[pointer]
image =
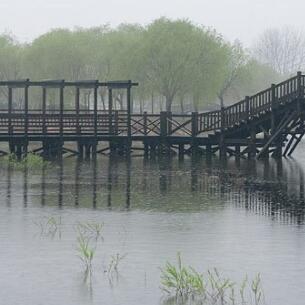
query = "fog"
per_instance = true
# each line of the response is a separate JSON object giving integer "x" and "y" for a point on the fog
{"x": 235, "y": 19}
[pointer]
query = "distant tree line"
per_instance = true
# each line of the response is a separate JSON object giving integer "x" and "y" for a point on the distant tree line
{"x": 180, "y": 66}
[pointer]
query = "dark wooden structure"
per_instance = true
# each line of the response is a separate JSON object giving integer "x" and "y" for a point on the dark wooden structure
{"x": 270, "y": 122}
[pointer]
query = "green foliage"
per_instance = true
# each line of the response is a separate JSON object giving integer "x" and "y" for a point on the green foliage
{"x": 185, "y": 285}
{"x": 181, "y": 279}
{"x": 30, "y": 161}
{"x": 85, "y": 251}
{"x": 175, "y": 61}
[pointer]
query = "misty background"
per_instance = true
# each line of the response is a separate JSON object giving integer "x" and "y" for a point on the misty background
{"x": 186, "y": 55}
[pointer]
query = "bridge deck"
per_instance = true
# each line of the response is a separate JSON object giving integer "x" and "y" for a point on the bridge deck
{"x": 276, "y": 113}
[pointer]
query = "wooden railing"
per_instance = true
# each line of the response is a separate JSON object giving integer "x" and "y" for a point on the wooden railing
{"x": 114, "y": 122}
{"x": 254, "y": 106}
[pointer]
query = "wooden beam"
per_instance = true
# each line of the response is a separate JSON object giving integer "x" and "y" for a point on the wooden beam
{"x": 275, "y": 134}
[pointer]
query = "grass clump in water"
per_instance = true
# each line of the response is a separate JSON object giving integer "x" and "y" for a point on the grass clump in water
{"x": 184, "y": 285}
{"x": 49, "y": 226}
{"x": 115, "y": 261}
{"x": 90, "y": 229}
{"x": 85, "y": 251}
{"x": 30, "y": 161}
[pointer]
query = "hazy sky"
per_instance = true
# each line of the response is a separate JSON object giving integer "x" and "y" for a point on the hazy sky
{"x": 235, "y": 19}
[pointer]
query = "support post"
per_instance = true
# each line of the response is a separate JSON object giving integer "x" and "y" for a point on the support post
{"x": 237, "y": 151}
{"x": 181, "y": 151}
{"x": 252, "y": 144}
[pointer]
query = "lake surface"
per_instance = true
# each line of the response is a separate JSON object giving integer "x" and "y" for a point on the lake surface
{"x": 241, "y": 217}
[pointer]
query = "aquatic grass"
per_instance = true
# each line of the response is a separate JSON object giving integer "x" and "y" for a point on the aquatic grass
{"x": 184, "y": 285}
{"x": 115, "y": 261}
{"x": 85, "y": 251}
{"x": 180, "y": 279}
{"x": 90, "y": 229}
{"x": 30, "y": 161}
{"x": 49, "y": 226}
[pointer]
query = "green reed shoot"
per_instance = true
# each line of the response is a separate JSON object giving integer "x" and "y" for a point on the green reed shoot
{"x": 188, "y": 286}
{"x": 85, "y": 251}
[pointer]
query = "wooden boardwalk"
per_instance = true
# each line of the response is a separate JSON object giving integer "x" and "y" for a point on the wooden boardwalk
{"x": 270, "y": 122}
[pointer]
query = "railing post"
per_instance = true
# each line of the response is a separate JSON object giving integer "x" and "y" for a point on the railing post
{"x": 169, "y": 122}
{"x": 222, "y": 147}
{"x": 61, "y": 109}
{"x": 163, "y": 123}
{"x": 273, "y": 107}
{"x": 26, "y": 108}
{"x": 146, "y": 147}
{"x": 300, "y": 91}
{"x": 10, "y": 106}
{"x": 116, "y": 122}
{"x": 129, "y": 114}
{"x": 77, "y": 92}
{"x": 145, "y": 122}
{"x": 110, "y": 110}
{"x": 247, "y": 100}
{"x": 44, "y": 106}
{"x": 95, "y": 109}
{"x": 222, "y": 118}
{"x": 194, "y": 124}
{"x": 194, "y": 132}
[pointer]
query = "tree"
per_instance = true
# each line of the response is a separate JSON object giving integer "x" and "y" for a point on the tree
{"x": 235, "y": 60}
{"x": 282, "y": 49}
{"x": 178, "y": 56}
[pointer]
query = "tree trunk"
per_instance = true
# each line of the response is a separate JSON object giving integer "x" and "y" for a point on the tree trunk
{"x": 195, "y": 103}
{"x": 168, "y": 103}
{"x": 221, "y": 101}
{"x": 181, "y": 105}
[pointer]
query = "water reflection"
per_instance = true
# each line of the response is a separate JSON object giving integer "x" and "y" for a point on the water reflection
{"x": 271, "y": 188}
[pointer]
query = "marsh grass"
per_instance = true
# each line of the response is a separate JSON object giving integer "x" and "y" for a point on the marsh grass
{"x": 90, "y": 230}
{"x": 30, "y": 161}
{"x": 114, "y": 262}
{"x": 49, "y": 226}
{"x": 86, "y": 251}
{"x": 184, "y": 285}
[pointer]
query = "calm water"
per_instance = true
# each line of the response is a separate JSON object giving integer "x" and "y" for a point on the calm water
{"x": 245, "y": 217}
